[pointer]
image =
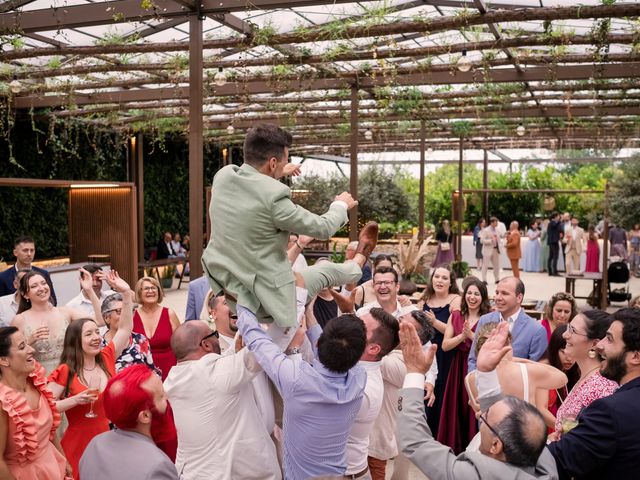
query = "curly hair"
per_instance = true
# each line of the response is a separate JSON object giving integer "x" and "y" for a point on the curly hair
{"x": 560, "y": 297}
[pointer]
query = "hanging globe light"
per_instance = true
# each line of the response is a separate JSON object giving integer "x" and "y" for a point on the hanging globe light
{"x": 464, "y": 64}
{"x": 368, "y": 134}
{"x": 14, "y": 85}
{"x": 230, "y": 129}
{"x": 219, "y": 79}
{"x": 520, "y": 130}
{"x": 325, "y": 149}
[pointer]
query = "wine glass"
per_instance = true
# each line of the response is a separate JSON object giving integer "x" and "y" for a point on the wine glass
{"x": 94, "y": 389}
{"x": 43, "y": 345}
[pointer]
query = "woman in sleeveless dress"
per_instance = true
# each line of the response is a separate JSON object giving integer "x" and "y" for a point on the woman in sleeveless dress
{"x": 532, "y": 249}
{"x": 593, "y": 251}
{"x": 28, "y": 415}
{"x": 83, "y": 374}
{"x": 530, "y": 381}
{"x": 43, "y": 324}
{"x": 440, "y": 299}
{"x": 457, "y": 420}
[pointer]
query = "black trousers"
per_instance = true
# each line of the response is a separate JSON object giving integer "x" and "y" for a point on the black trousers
{"x": 552, "y": 262}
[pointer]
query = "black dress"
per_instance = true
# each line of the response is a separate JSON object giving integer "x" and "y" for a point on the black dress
{"x": 444, "y": 360}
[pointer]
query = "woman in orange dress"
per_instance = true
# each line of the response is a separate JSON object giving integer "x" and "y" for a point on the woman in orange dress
{"x": 83, "y": 374}
{"x": 28, "y": 417}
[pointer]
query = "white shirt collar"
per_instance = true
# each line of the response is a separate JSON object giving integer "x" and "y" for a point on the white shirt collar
{"x": 512, "y": 319}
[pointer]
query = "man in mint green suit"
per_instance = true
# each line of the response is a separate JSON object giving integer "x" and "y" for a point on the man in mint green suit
{"x": 251, "y": 217}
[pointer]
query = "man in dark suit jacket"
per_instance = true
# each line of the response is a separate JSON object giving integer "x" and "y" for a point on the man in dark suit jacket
{"x": 24, "y": 250}
{"x": 554, "y": 231}
{"x": 606, "y": 441}
{"x": 165, "y": 250}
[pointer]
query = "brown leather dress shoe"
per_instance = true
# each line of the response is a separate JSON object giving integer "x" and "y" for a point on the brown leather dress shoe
{"x": 368, "y": 239}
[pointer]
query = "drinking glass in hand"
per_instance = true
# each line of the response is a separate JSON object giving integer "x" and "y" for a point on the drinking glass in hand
{"x": 42, "y": 345}
{"x": 94, "y": 389}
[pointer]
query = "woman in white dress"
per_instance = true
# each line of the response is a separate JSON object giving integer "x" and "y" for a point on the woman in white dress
{"x": 532, "y": 249}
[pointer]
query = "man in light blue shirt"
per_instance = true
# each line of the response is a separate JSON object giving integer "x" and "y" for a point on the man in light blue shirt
{"x": 321, "y": 399}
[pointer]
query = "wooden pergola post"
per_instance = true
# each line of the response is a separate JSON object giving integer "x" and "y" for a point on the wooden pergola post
{"x": 485, "y": 186}
{"x": 353, "y": 176}
{"x": 460, "y": 205}
{"x": 421, "y": 193}
{"x": 196, "y": 177}
{"x": 604, "y": 290}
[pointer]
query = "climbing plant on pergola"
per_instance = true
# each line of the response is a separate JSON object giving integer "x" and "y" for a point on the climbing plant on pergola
{"x": 343, "y": 77}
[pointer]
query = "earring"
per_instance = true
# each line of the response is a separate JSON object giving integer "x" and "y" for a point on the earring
{"x": 592, "y": 354}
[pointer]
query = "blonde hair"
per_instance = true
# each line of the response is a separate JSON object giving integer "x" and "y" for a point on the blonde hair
{"x": 152, "y": 281}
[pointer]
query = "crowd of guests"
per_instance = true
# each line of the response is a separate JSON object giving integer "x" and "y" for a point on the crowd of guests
{"x": 277, "y": 373}
{"x": 556, "y": 240}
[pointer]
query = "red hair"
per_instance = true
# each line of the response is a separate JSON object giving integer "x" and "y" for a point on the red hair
{"x": 124, "y": 397}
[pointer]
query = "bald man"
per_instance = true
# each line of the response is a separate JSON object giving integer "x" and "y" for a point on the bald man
{"x": 218, "y": 421}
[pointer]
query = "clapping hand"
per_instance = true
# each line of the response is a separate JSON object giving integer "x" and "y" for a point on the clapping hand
{"x": 494, "y": 348}
{"x": 466, "y": 330}
{"x": 415, "y": 359}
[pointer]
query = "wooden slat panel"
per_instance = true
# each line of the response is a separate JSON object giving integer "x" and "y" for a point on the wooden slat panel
{"x": 103, "y": 221}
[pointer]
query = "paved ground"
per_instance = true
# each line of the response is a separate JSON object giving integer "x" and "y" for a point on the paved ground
{"x": 539, "y": 286}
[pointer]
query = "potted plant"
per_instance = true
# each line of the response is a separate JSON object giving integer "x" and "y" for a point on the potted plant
{"x": 461, "y": 269}
{"x": 166, "y": 276}
{"x": 409, "y": 260}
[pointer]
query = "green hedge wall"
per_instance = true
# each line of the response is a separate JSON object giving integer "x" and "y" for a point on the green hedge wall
{"x": 74, "y": 151}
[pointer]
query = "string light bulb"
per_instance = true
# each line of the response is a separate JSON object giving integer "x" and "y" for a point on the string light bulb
{"x": 219, "y": 79}
{"x": 230, "y": 129}
{"x": 14, "y": 85}
{"x": 520, "y": 130}
{"x": 368, "y": 134}
{"x": 464, "y": 64}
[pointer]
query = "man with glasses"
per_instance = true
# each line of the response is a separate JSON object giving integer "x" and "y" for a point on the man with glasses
{"x": 386, "y": 287}
{"x": 221, "y": 433}
{"x": 512, "y": 431}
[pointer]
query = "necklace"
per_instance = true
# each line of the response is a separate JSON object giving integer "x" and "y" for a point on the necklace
{"x": 90, "y": 369}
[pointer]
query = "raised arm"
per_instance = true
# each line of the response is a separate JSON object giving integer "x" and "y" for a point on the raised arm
{"x": 122, "y": 336}
{"x": 280, "y": 368}
{"x": 87, "y": 288}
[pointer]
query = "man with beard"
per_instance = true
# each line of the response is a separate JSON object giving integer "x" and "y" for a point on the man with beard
{"x": 136, "y": 403}
{"x": 605, "y": 442}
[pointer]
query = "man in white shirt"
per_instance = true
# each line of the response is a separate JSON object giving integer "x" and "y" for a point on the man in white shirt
{"x": 382, "y": 338}
{"x": 221, "y": 434}
{"x": 9, "y": 303}
{"x": 80, "y": 301}
{"x": 386, "y": 287}
{"x": 383, "y": 445}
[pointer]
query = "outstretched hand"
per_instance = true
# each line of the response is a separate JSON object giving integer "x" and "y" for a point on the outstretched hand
{"x": 117, "y": 283}
{"x": 291, "y": 170}
{"x": 415, "y": 359}
{"x": 494, "y": 349}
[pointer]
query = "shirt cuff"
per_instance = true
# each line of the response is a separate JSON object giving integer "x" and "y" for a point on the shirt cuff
{"x": 339, "y": 203}
{"x": 413, "y": 380}
{"x": 488, "y": 384}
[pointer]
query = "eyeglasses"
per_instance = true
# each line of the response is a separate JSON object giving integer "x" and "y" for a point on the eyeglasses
{"x": 483, "y": 419}
{"x": 388, "y": 283}
{"x": 149, "y": 289}
{"x": 212, "y": 334}
{"x": 573, "y": 331}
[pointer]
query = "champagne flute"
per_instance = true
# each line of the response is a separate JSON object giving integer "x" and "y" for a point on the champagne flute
{"x": 94, "y": 389}
{"x": 43, "y": 345}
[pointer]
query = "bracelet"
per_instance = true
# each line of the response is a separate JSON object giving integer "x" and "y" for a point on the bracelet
{"x": 299, "y": 246}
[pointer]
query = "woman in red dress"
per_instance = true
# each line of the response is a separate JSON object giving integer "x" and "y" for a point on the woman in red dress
{"x": 83, "y": 374}
{"x": 593, "y": 251}
{"x": 457, "y": 420}
{"x": 155, "y": 322}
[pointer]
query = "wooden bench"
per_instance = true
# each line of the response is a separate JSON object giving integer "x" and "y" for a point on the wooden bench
{"x": 154, "y": 264}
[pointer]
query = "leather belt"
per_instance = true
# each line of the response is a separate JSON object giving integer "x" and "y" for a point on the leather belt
{"x": 357, "y": 475}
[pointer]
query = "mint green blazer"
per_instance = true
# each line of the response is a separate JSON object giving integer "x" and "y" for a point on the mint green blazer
{"x": 251, "y": 217}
